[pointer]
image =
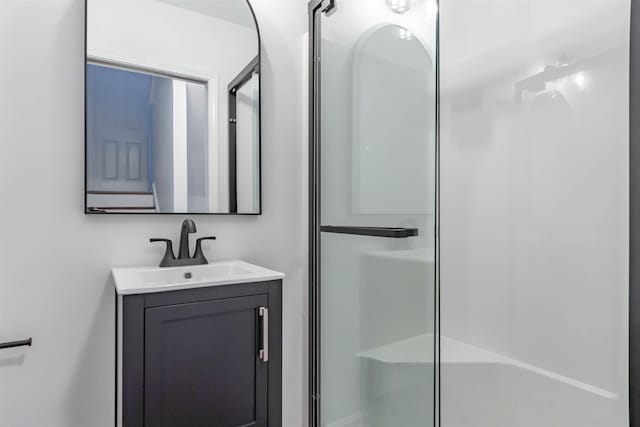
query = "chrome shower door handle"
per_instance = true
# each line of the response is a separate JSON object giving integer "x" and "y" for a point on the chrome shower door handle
{"x": 263, "y": 312}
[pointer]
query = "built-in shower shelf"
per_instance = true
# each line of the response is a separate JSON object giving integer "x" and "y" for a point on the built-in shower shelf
{"x": 420, "y": 350}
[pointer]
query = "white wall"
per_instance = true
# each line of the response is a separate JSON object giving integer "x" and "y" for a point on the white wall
{"x": 180, "y": 135}
{"x": 534, "y": 190}
{"x": 55, "y": 261}
{"x": 162, "y": 137}
{"x": 197, "y": 147}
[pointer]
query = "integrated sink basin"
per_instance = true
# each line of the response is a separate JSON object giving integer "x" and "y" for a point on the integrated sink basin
{"x": 141, "y": 280}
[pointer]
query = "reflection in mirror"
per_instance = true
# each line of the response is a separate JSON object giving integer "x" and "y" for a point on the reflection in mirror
{"x": 393, "y": 123}
{"x": 172, "y": 107}
{"x": 244, "y": 137}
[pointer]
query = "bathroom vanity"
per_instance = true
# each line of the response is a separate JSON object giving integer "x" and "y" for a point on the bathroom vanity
{"x": 199, "y": 346}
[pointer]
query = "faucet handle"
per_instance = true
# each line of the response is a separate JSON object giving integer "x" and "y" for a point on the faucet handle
{"x": 168, "y": 254}
{"x": 199, "y": 254}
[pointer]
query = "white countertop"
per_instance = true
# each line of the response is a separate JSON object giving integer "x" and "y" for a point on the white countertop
{"x": 142, "y": 280}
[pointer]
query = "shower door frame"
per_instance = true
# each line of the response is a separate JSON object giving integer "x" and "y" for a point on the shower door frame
{"x": 634, "y": 218}
{"x": 316, "y": 8}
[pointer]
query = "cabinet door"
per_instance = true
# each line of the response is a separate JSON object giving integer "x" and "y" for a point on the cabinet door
{"x": 202, "y": 364}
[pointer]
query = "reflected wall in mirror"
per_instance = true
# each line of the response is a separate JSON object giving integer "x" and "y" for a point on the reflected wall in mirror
{"x": 394, "y": 123}
{"x": 172, "y": 107}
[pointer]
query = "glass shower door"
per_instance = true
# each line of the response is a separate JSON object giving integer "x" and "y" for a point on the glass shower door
{"x": 374, "y": 205}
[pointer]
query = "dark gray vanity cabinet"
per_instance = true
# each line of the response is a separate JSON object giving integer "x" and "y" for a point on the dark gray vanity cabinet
{"x": 206, "y": 357}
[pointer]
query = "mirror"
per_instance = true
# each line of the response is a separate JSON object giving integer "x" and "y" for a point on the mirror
{"x": 172, "y": 96}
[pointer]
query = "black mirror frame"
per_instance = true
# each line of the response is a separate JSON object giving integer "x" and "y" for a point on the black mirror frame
{"x": 232, "y": 177}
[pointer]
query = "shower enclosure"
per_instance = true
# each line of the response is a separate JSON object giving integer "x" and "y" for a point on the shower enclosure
{"x": 469, "y": 223}
{"x": 373, "y": 210}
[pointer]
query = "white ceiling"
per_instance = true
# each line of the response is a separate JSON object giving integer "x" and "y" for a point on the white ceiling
{"x": 234, "y": 11}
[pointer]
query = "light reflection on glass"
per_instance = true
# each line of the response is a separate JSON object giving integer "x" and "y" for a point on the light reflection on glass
{"x": 399, "y": 6}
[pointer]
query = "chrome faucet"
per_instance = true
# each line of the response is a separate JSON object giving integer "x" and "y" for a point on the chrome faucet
{"x": 184, "y": 258}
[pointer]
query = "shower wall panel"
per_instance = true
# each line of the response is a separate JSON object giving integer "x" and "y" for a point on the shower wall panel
{"x": 534, "y": 212}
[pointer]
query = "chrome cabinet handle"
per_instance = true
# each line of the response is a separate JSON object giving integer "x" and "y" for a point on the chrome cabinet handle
{"x": 263, "y": 312}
